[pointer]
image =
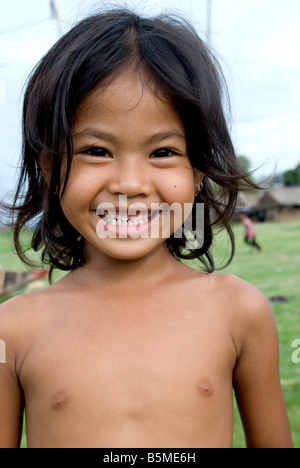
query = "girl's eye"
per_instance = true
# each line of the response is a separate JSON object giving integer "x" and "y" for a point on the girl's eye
{"x": 97, "y": 152}
{"x": 163, "y": 153}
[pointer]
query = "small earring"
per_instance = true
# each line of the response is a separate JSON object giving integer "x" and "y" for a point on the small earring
{"x": 199, "y": 188}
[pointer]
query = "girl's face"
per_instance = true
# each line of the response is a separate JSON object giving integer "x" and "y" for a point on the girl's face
{"x": 130, "y": 166}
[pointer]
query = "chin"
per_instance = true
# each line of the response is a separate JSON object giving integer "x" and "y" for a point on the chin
{"x": 131, "y": 250}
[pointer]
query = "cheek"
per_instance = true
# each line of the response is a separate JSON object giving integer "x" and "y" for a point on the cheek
{"x": 76, "y": 198}
{"x": 71, "y": 197}
{"x": 80, "y": 186}
{"x": 179, "y": 194}
{"x": 180, "y": 189}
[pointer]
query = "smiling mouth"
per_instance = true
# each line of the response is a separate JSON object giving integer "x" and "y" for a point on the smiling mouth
{"x": 123, "y": 220}
{"x": 121, "y": 225}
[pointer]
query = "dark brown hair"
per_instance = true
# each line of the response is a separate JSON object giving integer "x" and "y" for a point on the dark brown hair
{"x": 99, "y": 47}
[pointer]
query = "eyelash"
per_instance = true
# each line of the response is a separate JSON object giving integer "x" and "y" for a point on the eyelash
{"x": 97, "y": 150}
{"x": 90, "y": 151}
{"x": 166, "y": 150}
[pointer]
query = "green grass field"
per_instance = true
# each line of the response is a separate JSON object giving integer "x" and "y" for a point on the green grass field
{"x": 276, "y": 272}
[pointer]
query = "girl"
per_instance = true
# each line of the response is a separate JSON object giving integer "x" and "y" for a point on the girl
{"x": 250, "y": 234}
{"x": 133, "y": 348}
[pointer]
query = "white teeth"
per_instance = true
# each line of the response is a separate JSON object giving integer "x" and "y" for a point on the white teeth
{"x": 125, "y": 221}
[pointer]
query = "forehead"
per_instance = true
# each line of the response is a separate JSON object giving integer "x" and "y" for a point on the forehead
{"x": 131, "y": 96}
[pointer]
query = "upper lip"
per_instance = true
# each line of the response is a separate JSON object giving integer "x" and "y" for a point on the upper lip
{"x": 129, "y": 211}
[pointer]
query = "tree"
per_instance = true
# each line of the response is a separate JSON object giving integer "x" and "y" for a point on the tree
{"x": 292, "y": 177}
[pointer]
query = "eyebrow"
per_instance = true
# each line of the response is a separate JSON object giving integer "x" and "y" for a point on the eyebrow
{"x": 91, "y": 132}
{"x": 106, "y": 136}
{"x": 161, "y": 136}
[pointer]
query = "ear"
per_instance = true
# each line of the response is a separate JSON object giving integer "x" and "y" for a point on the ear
{"x": 198, "y": 176}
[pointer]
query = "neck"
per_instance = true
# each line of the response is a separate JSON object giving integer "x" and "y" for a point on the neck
{"x": 102, "y": 271}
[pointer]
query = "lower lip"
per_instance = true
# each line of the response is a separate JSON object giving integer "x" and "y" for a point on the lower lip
{"x": 129, "y": 230}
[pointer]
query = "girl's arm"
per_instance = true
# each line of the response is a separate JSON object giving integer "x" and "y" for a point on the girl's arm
{"x": 256, "y": 377}
{"x": 11, "y": 396}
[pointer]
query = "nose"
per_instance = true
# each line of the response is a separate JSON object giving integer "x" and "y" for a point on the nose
{"x": 130, "y": 178}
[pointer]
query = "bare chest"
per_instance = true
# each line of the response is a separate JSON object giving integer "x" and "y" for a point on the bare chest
{"x": 138, "y": 367}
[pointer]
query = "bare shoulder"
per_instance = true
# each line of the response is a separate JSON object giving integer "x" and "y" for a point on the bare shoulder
{"x": 16, "y": 316}
{"x": 13, "y": 330}
{"x": 21, "y": 315}
{"x": 22, "y": 319}
{"x": 244, "y": 308}
{"x": 27, "y": 307}
{"x": 11, "y": 314}
{"x": 243, "y": 298}
{"x": 236, "y": 296}
{"x": 20, "y": 307}
{"x": 249, "y": 310}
